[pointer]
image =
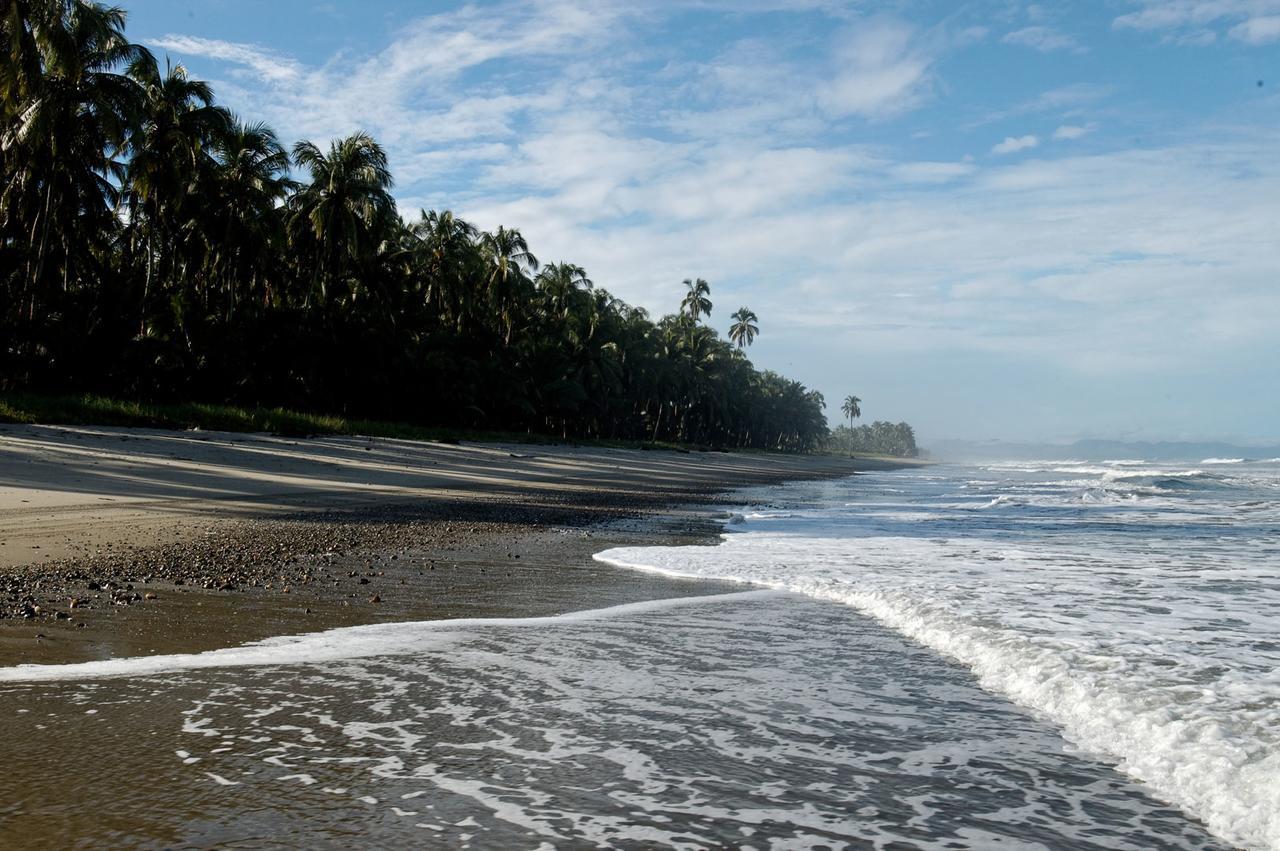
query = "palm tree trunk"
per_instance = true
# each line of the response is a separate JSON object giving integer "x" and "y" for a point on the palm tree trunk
{"x": 146, "y": 283}
{"x": 44, "y": 241}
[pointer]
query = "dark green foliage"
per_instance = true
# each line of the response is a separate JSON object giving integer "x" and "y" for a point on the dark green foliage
{"x": 879, "y": 438}
{"x": 154, "y": 247}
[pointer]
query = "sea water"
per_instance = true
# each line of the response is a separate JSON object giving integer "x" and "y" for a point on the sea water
{"x": 1056, "y": 655}
{"x": 1134, "y": 606}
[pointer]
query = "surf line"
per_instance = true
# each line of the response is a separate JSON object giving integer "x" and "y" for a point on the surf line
{"x": 351, "y": 642}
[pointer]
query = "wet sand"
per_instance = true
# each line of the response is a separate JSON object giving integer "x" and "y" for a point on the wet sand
{"x": 108, "y": 779}
{"x": 119, "y": 542}
{"x": 776, "y": 721}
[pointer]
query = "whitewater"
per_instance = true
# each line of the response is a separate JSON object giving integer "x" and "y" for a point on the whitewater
{"x": 1133, "y": 606}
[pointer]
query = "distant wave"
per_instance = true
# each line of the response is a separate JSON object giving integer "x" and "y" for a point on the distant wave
{"x": 1223, "y": 461}
{"x": 1164, "y": 479}
{"x": 1109, "y": 497}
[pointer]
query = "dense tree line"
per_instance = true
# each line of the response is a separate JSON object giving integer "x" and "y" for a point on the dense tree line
{"x": 153, "y": 244}
{"x": 881, "y": 438}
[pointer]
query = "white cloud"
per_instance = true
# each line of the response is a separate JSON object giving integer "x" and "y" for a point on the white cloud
{"x": 1259, "y": 30}
{"x": 1013, "y": 144}
{"x": 265, "y": 63}
{"x": 1195, "y": 21}
{"x": 1070, "y": 99}
{"x": 790, "y": 89}
{"x": 1077, "y": 261}
{"x": 446, "y": 44}
{"x": 408, "y": 92}
{"x": 1044, "y": 39}
{"x": 1072, "y": 131}
{"x": 932, "y": 172}
{"x": 880, "y": 71}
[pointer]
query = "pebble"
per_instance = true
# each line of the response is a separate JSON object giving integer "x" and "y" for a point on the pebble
{"x": 252, "y": 555}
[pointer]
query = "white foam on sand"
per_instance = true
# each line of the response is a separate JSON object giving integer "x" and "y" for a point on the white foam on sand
{"x": 355, "y": 642}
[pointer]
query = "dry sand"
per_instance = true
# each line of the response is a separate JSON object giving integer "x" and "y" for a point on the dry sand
{"x": 65, "y": 490}
{"x": 133, "y": 541}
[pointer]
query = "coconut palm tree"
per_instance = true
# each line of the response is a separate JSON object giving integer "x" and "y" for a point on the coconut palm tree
{"x": 508, "y": 263}
{"x": 23, "y": 25}
{"x": 170, "y": 154}
{"x": 245, "y": 228}
{"x": 697, "y": 301}
{"x": 560, "y": 285}
{"x": 68, "y": 111}
{"x": 744, "y": 329}
{"x": 340, "y": 219}
{"x": 851, "y": 410}
{"x": 444, "y": 252}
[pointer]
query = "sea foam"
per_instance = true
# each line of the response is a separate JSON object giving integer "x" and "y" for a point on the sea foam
{"x": 353, "y": 642}
{"x": 1154, "y": 650}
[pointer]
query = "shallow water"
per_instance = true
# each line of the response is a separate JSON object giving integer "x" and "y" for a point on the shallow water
{"x": 746, "y": 720}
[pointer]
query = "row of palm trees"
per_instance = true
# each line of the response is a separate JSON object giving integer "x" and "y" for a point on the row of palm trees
{"x": 880, "y": 437}
{"x": 153, "y": 244}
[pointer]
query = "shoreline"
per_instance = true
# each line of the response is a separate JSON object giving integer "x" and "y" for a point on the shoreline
{"x": 135, "y": 542}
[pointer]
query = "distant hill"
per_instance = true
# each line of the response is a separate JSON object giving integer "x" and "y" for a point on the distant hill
{"x": 1095, "y": 450}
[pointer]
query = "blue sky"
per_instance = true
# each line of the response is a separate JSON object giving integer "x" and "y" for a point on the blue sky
{"x": 990, "y": 219}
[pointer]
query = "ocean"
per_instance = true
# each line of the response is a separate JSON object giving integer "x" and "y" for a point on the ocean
{"x": 1023, "y": 655}
{"x": 1134, "y": 607}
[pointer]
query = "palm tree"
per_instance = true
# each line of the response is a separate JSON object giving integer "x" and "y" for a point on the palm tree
{"x": 560, "y": 284}
{"x": 67, "y": 113}
{"x": 744, "y": 329}
{"x": 508, "y": 263}
{"x": 171, "y": 153}
{"x": 444, "y": 251}
{"x": 851, "y": 410}
{"x": 697, "y": 302}
{"x": 24, "y": 26}
{"x": 340, "y": 219}
{"x": 251, "y": 180}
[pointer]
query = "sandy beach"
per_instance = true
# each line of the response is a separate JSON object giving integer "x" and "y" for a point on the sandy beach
{"x": 497, "y": 690}
{"x": 130, "y": 542}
